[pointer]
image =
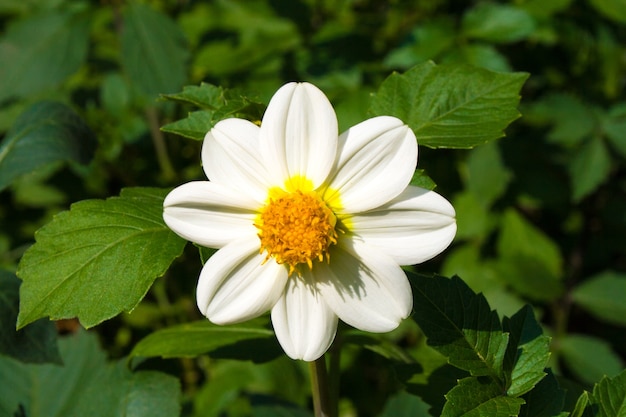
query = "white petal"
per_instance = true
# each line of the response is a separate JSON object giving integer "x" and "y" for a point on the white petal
{"x": 304, "y": 324}
{"x": 412, "y": 228}
{"x": 231, "y": 156}
{"x": 209, "y": 214}
{"x": 365, "y": 287}
{"x": 376, "y": 161}
{"x": 299, "y": 134}
{"x": 236, "y": 285}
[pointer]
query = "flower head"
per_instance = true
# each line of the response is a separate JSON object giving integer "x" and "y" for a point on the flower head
{"x": 309, "y": 224}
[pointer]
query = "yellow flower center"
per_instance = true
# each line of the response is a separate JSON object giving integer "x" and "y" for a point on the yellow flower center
{"x": 296, "y": 227}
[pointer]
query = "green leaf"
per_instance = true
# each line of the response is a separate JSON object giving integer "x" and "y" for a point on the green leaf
{"x": 45, "y": 133}
{"x": 216, "y": 104}
{"x": 527, "y": 353}
{"x": 97, "y": 259}
{"x": 478, "y": 397}
{"x": 202, "y": 337}
{"x": 614, "y": 126}
{"x": 422, "y": 180}
{"x": 277, "y": 410}
{"x": 545, "y": 400}
{"x": 610, "y": 396}
{"x": 451, "y": 106}
{"x": 480, "y": 55}
{"x": 529, "y": 261}
{"x": 589, "y": 167}
{"x": 379, "y": 345}
{"x": 580, "y": 409}
{"x": 154, "y": 52}
{"x": 612, "y": 9}
{"x": 404, "y": 405}
{"x": 497, "y": 23}
{"x": 41, "y": 51}
{"x": 603, "y": 296}
{"x": 85, "y": 386}
{"x": 589, "y": 358}
{"x": 487, "y": 177}
{"x": 459, "y": 324}
{"x": 36, "y": 343}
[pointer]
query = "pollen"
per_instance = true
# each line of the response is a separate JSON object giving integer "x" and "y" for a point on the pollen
{"x": 296, "y": 228}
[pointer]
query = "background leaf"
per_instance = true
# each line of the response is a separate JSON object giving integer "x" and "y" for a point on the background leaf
{"x": 451, "y": 106}
{"x": 153, "y": 50}
{"x": 45, "y": 133}
{"x": 41, "y": 51}
{"x": 97, "y": 259}
{"x": 85, "y": 386}
{"x": 589, "y": 167}
{"x": 35, "y": 343}
{"x": 404, "y": 405}
{"x": 603, "y": 296}
{"x": 589, "y": 358}
{"x": 497, "y": 23}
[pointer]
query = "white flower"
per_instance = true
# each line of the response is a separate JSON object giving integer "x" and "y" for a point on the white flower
{"x": 310, "y": 225}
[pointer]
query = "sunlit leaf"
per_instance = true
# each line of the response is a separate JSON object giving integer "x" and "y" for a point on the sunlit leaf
{"x": 35, "y": 343}
{"x": 476, "y": 397}
{"x": 202, "y": 337}
{"x": 41, "y": 51}
{"x": 451, "y": 106}
{"x": 610, "y": 396}
{"x": 86, "y": 385}
{"x": 47, "y": 132}
{"x": 97, "y": 259}
{"x": 603, "y": 296}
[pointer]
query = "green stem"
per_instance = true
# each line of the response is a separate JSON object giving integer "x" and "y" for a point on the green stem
{"x": 159, "y": 145}
{"x": 319, "y": 388}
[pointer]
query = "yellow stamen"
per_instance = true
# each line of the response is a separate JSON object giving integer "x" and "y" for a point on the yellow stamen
{"x": 296, "y": 227}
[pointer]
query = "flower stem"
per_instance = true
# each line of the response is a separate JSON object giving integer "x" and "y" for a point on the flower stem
{"x": 319, "y": 388}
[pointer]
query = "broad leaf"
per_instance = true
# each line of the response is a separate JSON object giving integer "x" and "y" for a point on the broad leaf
{"x": 41, "y": 51}
{"x": 97, "y": 259}
{"x": 405, "y": 405}
{"x": 545, "y": 400}
{"x": 459, "y": 324}
{"x": 603, "y": 296}
{"x": 85, "y": 386}
{"x": 610, "y": 396}
{"x": 451, "y": 106}
{"x": 194, "y": 126}
{"x": 589, "y": 167}
{"x": 202, "y": 337}
{"x": 45, "y": 133}
{"x": 487, "y": 177}
{"x": 478, "y": 397}
{"x": 589, "y": 358}
{"x": 36, "y": 343}
{"x": 527, "y": 353}
{"x": 154, "y": 52}
{"x": 613, "y": 9}
{"x": 497, "y": 23}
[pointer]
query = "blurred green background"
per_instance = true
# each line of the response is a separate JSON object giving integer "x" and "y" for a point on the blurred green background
{"x": 541, "y": 212}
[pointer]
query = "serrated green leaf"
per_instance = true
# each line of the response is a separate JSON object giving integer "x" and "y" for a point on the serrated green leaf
{"x": 422, "y": 180}
{"x": 439, "y": 383}
{"x": 45, "y": 133}
{"x": 478, "y": 397}
{"x": 589, "y": 358}
{"x": 545, "y": 400}
{"x": 451, "y": 106}
{"x": 527, "y": 353}
{"x": 612, "y": 9}
{"x": 580, "y": 409}
{"x": 459, "y": 324}
{"x": 30, "y": 51}
{"x": 205, "y": 96}
{"x": 589, "y": 167}
{"x": 154, "y": 51}
{"x": 36, "y": 343}
{"x": 85, "y": 386}
{"x": 529, "y": 261}
{"x": 195, "y": 126}
{"x": 603, "y": 296}
{"x": 201, "y": 337}
{"x": 97, "y": 259}
{"x": 497, "y": 23}
{"x": 610, "y": 396}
